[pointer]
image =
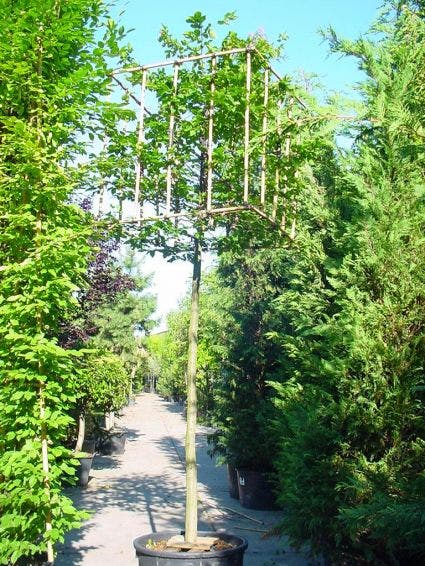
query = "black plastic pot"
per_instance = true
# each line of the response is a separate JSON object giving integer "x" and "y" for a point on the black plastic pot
{"x": 89, "y": 445}
{"x": 114, "y": 443}
{"x": 37, "y": 560}
{"x": 229, "y": 557}
{"x": 83, "y": 469}
{"x": 232, "y": 478}
{"x": 255, "y": 491}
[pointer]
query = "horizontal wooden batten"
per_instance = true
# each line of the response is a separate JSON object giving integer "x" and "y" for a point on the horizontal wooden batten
{"x": 169, "y": 62}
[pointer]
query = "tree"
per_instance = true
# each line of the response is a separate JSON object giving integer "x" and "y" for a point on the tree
{"x": 175, "y": 149}
{"x": 120, "y": 319}
{"x": 189, "y": 107}
{"x": 105, "y": 281}
{"x": 53, "y": 74}
{"x": 351, "y": 421}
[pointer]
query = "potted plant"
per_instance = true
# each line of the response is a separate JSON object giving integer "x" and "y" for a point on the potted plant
{"x": 245, "y": 441}
{"x": 112, "y": 442}
{"x": 85, "y": 461}
{"x": 84, "y": 449}
{"x": 188, "y": 152}
{"x": 109, "y": 381}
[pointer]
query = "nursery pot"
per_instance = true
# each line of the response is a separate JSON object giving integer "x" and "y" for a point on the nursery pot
{"x": 89, "y": 445}
{"x": 83, "y": 468}
{"x": 255, "y": 491}
{"x": 114, "y": 443}
{"x": 228, "y": 557}
{"x": 36, "y": 560}
{"x": 232, "y": 478}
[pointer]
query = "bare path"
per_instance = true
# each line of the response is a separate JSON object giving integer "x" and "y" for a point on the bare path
{"x": 143, "y": 491}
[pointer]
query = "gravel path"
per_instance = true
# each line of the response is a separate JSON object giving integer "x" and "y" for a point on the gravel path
{"x": 143, "y": 491}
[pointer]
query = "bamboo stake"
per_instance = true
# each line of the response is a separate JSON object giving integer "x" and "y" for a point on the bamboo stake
{"x": 294, "y": 222}
{"x": 277, "y": 172}
{"x": 45, "y": 464}
{"x": 263, "y": 156}
{"x": 252, "y": 529}
{"x": 102, "y": 189}
{"x": 81, "y": 432}
{"x": 180, "y": 61}
{"x": 253, "y": 519}
{"x": 140, "y": 140}
{"x": 171, "y": 140}
{"x": 210, "y": 135}
{"x": 246, "y": 144}
{"x": 127, "y": 90}
{"x": 287, "y": 152}
{"x": 263, "y": 214}
{"x": 42, "y": 414}
{"x": 294, "y": 203}
{"x": 188, "y": 213}
{"x": 275, "y": 199}
{"x": 101, "y": 199}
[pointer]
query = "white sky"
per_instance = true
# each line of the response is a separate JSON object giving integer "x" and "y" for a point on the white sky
{"x": 170, "y": 282}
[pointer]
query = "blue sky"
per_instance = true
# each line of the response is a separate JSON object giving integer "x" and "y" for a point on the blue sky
{"x": 305, "y": 50}
{"x": 299, "y": 20}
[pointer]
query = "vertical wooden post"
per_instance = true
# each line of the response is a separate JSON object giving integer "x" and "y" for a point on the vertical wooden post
{"x": 101, "y": 200}
{"x": 140, "y": 139}
{"x": 246, "y": 141}
{"x": 171, "y": 140}
{"x": 287, "y": 152}
{"x": 210, "y": 135}
{"x": 191, "y": 520}
{"x": 263, "y": 154}
{"x": 277, "y": 171}
{"x": 81, "y": 431}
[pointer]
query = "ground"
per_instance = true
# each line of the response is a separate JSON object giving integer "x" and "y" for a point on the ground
{"x": 143, "y": 491}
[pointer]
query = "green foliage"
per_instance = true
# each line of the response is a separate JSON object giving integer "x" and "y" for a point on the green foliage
{"x": 169, "y": 350}
{"x": 351, "y": 413}
{"x": 123, "y": 321}
{"x": 119, "y": 322}
{"x": 247, "y": 359}
{"x": 315, "y": 351}
{"x": 106, "y": 382}
{"x": 188, "y": 156}
{"x": 52, "y": 75}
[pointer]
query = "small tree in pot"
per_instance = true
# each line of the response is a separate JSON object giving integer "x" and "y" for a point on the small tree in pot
{"x": 110, "y": 384}
{"x": 102, "y": 385}
{"x": 186, "y": 141}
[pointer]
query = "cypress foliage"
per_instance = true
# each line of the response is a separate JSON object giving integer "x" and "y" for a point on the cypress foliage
{"x": 352, "y": 415}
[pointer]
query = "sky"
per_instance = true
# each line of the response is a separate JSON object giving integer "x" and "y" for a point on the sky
{"x": 305, "y": 52}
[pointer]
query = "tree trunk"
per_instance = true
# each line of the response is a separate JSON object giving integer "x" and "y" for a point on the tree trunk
{"x": 191, "y": 523}
{"x": 109, "y": 420}
{"x": 132, "y": 376}
{"x": 81, "y": 432}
